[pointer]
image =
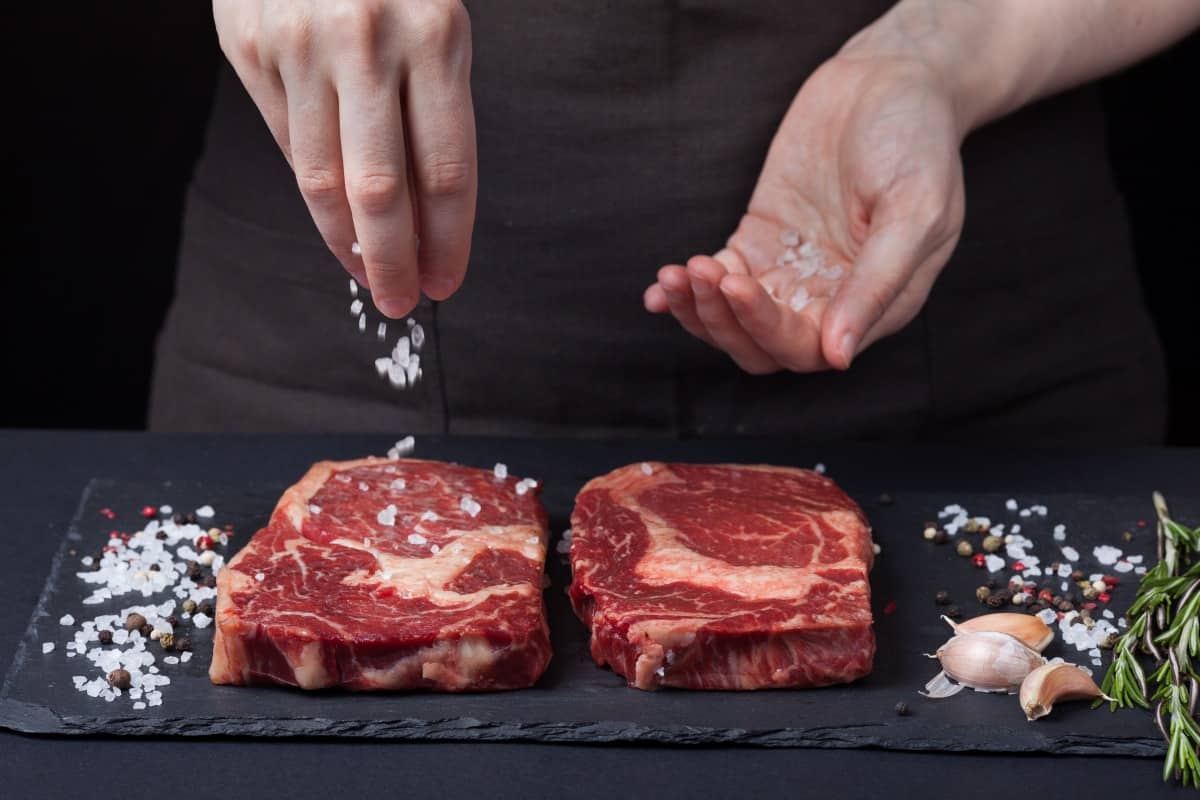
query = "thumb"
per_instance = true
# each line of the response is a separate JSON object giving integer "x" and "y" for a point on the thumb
{"x": 883, "y": 269}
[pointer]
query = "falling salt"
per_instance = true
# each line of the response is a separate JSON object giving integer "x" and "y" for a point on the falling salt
{"x": 994, "y": 563}
{"x": 799, "y": 300}
{"x": 1106, "y": 554}
{"x": 418, "y": 337}
{"x": 362, "y": 323}
{"x": 403, "y": 447}
{"x": 1070, "y": 553}
{"x": 381, "y": 331}
{"x": 1010, "y": 504}
{"x": 819, "y": 468}
{"x": 353, "y": 288}
{"x": 356, "y": 307}
{"x": 258, "y": 576}
{"x": 356, "y": 248}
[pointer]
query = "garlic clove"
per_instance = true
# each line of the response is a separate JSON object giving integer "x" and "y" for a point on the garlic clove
{"x": 1053, "y": 683}
{"x": 1029, "y": 628}
{"x": 988, "y": 661}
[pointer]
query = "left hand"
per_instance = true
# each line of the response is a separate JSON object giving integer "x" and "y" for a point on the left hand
{"x": 865, "y": 166}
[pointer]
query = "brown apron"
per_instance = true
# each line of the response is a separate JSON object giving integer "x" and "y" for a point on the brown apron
{"x": 615, "y": 137}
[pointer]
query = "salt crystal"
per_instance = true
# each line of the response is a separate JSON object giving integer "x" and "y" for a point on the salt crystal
{"x": 1047, "y": 615}
{"x": 1064, "y": 570}
{"x": 314, "y": 509}
{"x": 362, "y": 322}
{"x": 1025, "y": 512}
{"x": 500, "y": 471}
{"x": 1065, "y": 586}
{"x": 356, "y": 248}
{"x": 66, "y": 619}
{"x": 1108, "y": 614}
{"x": 165, "y": 510}
{"x": 402, "y": 351}
{"x": 87, "y": 561}
{"x": 397, "y": 485}
{"x": 356, "y": 307}
{"x": 433, "y": 548}
{"x": 363, "y": 486}
{"x": 405, "y": 445}
{"x": 1106, "y": 554}
{"x": 1134, "y": 559}
{"x": 563, "y": 546}
{"x": 139, "y": 705}
{"x": 809, "y": 250}
{"x": 525, "y": 484}
{"x": 1121, "y": 623}
{"x": 381, "y": 331}
{"x": 994, "y": 563}
{"x": 353, "y": 288}
{"x": 205, "y": 512}
{"x": 170, "y": 660}
{"x": 789, "y": 238}
{"x": 1010, "y": 504}
{"x": 204, "y": 620}
{"x": 428, "y": 516}
{"x": 382, "y": 365}
{"x": 832, "y": 273}
{"x": 416, "y": 538}
{"x": 1016, "y": 529}
{"x": 186, "y": 657}
{"x": 47, "y": 647}
{"x": 1059, "y": 536}
{"x": 414, "y": 369}
{"x": 1096, "y": 662}
{"x": 1139, "y": 570}
{"x": 468, "y": 504}
{"x": 258, "y": 576}
{"x": 1070, "y": 553}
{"x": 1123, "y": 566}
{"x": 647, "y": 469}
{"x": 397, "y": 376}
{"x": 387, "y": 516}
{"x": 820, "y": 468}
{"x": 418, "y": 337}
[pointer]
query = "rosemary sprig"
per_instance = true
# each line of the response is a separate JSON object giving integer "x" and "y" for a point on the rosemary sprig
{"x": 1164, "y": 625}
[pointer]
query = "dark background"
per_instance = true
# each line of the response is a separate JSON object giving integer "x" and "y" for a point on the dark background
{"x": 107, "y": 107}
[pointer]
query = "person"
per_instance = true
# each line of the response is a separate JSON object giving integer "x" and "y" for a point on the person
{"x": 816, "y": 160}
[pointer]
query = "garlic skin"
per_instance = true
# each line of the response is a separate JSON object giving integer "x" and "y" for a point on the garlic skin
{"x": 1029, "y": 628}
{"x": 1053, "y": 683}
{"x": 988, "y": 661}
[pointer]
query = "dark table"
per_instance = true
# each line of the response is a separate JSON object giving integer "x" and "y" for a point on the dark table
{"x": 42, "y": 474}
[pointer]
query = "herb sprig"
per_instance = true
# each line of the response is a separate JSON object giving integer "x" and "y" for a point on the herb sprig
{"x": 1164, "y": 625}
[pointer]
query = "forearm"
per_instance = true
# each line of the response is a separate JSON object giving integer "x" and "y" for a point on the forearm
{"x": 997, "y": 55}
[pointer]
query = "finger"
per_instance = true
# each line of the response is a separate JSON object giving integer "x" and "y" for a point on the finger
{"x": 705, "y": 274}
{"x": 375, "y": 163}
{"x": 317, "y": 162}
{"x": 888, "y": 260}
{"x": 655, "y": 299}
{"x": 791, "y": 339}
{"x": 265, "y": 87}
{"x": 677, "y": 287}
{"x": 441, "y": 138}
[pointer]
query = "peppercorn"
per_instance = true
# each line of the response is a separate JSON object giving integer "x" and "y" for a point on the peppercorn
{"x": 119, "y": 679}
{"x": 1056, "y": 600}
{"x": 183, "y": 643}
{"x": 1110, "y": 641}
{"x": 167, "y": 640}
{"x": 210, "y": 581}
{"x": 193, "y": 570}
{"x": 227, "y": 527}
{"x": 886, "y": 499}
{"x": 105, "y": 637}
{"x": 1034, "y": 608}
{"x": 979, "y": 559}
{"x": 146, "y": 630}
{"x": 942, "y": 598}
{"x": 982, "y": 594}
{"x": 992, "y": 543}
{"x": 929, "y": 531}
{"x": 177, "y": 518}
{"x": 1077, "y": 575}
{"x": 941, "y": 537}
{"x": 964, "y": 548}
{"x": 190, "y": 518}
{"x": 154, "y": 568}
{"x": 992, "y": 583}
{"x": 161, "y": 535}
{"x": 149, "y": 512}
{"x": 902, "y": 709}
{"x": 1018, "y": 599}
{"x": 134, "y": 622}
{"x": 997, "y": 600}
{"x": 172, "y": 620}
{"x": 189, "y": 606}
{"x": 1126, "y": 536}
{"x": 1090, "y": 593}
{"x": 954, "y": 612}
{"x": 206, "y": 608}
{"x": 972, "y": 526}
{"x": 1065, "y": 606}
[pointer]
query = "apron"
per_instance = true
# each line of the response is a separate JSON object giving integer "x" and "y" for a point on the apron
{"x": 615, "y": 137}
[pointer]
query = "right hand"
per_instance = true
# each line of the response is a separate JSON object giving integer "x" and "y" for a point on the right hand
{"x": 370, "y": 101}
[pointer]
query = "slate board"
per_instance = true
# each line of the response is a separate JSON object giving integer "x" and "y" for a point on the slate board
{"x": 576, "y": 701}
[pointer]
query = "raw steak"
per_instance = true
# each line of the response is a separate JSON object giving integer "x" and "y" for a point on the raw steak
{"x": 723, "y": 576}
{"x": 334, "y": 592}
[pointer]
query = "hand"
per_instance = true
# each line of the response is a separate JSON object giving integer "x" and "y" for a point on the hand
{"x": 370, "y": 101}
{"x": 856, "y": 211}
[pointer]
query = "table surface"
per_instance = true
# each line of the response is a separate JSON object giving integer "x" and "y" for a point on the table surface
{"x": 43, "y": 473}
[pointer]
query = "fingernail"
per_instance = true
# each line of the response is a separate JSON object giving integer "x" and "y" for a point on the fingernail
{"x": 849, "y": 343}
{"x": 439, "y": 288}
{"x": 701, "y": 287}
{"x": 394, "y": 307}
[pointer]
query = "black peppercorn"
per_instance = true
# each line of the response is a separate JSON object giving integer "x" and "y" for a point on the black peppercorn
{"x": 193, "y": 570}
{"x": 190, "y": 518}
{"x": 154, "y": 568}
{"x": 177, "y": 518}
{"x": 160, "y": 535}
{"x": 942, "y": 598}
{"x": 886, "y": 499}
{"x": 1065, "y": 606}
{"x": 105, "y": 637}
{"x": 205, "y": 608}
{"x": 146, "y": 629}
{"x": 1078, "y": 575}
{"x": 183, "y": 643}
{"x": 210, "y": 581}
{"x": 953, "y": 612}
{"x": 941, "y": 537}
{"x": 997, "y": 600}
{"x": 992, "y": 583}
{"x": 902, "y": 709}
{"x": 172, "y": 620}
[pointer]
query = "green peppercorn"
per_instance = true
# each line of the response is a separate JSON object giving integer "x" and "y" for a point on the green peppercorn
{"x": 1127, "y": 536}
{"x": 972, "y": 526}
{"x": 982, "y": 594}
{"x": 992, "y": 543}
{"x": 964, "y": 548}
{"x": 189, "y": 606}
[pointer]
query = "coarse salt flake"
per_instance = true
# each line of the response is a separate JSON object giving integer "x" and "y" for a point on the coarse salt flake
{"x": 647, "y": 469}
{"x": 1070, "y": 553}
{"x": 258, "y": 576}
{"x": 356, "y": 249}
{"x": 314, "y": 509}
{"x": 397, "y": 484}
{"x": 469, "y": 505}
{"x": 47, "y": 647}
{"x": 1010, "y": 504}
{"x": 994, "y": 563}
{"x": 416, "y": 538}
{"x": 500, "y": 471}
{"x": 356, "y": 307}
{"x": 66, "y": 619}
{"x": 387, "y": 516}
{"x": 820, "y": 468}
{"x": 1106, "y": 554}
{"x": 205, "y": 512}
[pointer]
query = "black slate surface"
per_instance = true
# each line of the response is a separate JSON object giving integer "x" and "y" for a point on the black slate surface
{"x": 579, "y": 702}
